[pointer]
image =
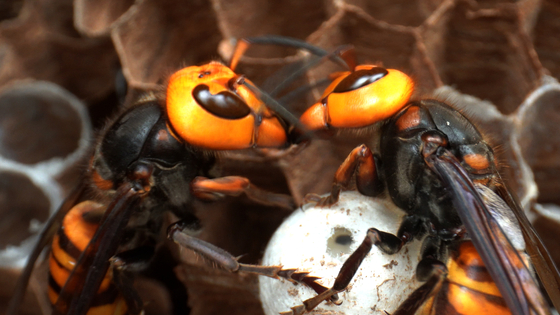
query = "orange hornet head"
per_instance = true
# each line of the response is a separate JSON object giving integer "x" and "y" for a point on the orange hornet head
{"x": 209, "y": 107}
{"x": 360, "y": 98}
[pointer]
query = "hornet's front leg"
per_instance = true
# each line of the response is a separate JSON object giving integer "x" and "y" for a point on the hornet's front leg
{"x": 211, "y": 189}
{"x": 361, "y": 162}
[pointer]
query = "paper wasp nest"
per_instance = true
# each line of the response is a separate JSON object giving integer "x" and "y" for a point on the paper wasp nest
{"x": 502, "y": 53}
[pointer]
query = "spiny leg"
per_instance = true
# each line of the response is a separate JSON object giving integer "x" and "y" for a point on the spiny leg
{"x": 345, "y": 275}
{"x": 222, "y": 258}
{"x": 386, "y": 242}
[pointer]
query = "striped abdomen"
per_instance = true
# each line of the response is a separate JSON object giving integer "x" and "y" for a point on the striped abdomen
{"x": 468, "y": 289}
{"x": 78, "y": 228}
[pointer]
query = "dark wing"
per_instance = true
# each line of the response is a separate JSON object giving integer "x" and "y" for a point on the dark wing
{"x": 510, "y": 226}
{"x": 543, "y": 263}
{"x": 77, "y": 294}
{"x": 512, "y": 277}
{"x": 45, "y": 238}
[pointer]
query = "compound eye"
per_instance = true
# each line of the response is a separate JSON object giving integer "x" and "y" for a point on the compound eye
{"x": 360, "y": 78}
{"x": 225, "y": 104}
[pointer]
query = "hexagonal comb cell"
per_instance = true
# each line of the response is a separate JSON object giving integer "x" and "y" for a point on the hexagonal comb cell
{"x": 18, "y": 210}
{"x": 32, "y": 115}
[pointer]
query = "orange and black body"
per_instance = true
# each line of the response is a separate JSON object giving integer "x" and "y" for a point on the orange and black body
{"x": 77, "y": 230}
{"x": 468, "y": 287}
{"x": 433, "y": 163}
{"x": 140, "y": 170}
{"x": 154, "y": 157}
{"x": 462, "y": 286}
{"x": 438, "y": 168}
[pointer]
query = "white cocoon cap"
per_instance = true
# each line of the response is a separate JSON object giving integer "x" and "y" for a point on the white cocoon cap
{"x": 307, "y": 241}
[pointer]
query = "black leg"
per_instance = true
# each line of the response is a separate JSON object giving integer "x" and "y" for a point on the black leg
{"x": 124, "y": 265}
{"x": 345, "y": 275}
{"x": 388, "y": 243}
